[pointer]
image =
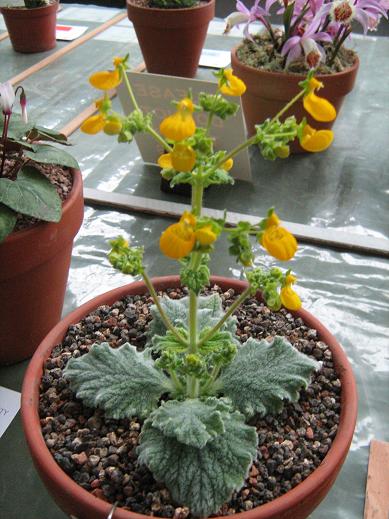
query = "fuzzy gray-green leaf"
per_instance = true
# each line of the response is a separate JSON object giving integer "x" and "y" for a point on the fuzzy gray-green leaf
{"x": 31, "y": 194}
{"x": 202, "y": 479}
{"x": 122, "y": 381}
{"x": 193, "y": 421}
{"x": 209, "y": 313}
{"x": 264, "y": 374}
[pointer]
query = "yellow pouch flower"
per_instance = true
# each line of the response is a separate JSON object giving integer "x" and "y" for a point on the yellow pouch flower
{"x": 183, "y": 157}
{"x": 112, "y": 126}
{"x": 289, "y": 298}
{"x": 228, "y": 164}
{"x": 205, "y": 235}
{"x": 279, "y": 242}
{"x": 93, "y": 124}
{"x": 180, "y": 125}
{"x": 105, "y": 79}
{"x": 233, "y": 85}
{"x": 316, "y": 140}
{"x": 319, "y": 108}
{"x": 178, "y": 240}
{"x": 165, "y": 161}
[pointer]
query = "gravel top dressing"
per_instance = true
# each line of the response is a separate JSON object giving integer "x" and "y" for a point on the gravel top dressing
{"x": 100, "y": 454}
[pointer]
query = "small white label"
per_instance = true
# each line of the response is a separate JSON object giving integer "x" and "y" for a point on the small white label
{"x": 215, "y": 58}
{"x": 9, "y": 406}
{"x": 69, "y": 32}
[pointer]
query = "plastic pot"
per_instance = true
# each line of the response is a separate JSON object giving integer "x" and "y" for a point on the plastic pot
{"x": 34, "y": 267}
{"x": 298, "y": 503}
{"x": 268, "y": 92}
{"x": 31, "y": 30}
{"x": 171, "y": 40}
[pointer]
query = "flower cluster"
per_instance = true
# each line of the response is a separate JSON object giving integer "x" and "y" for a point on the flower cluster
{"x": 314, "y": 30}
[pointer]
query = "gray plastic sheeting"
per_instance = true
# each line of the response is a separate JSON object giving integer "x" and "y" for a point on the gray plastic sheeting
{"x": 349, "y": 293}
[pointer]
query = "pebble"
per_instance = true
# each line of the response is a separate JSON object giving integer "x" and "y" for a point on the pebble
{"x": 100, "y": 454}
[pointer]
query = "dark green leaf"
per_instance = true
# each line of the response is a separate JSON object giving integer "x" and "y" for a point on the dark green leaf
{"x": 47, "y": 154}
{"x": 39, "y": 133}
{"x": 7, "y": 221}
{"x": 31, "y": 194}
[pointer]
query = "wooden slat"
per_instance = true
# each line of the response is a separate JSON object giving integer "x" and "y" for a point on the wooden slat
{"x": 4, "y": 36}
{"x": 75, "y": 123}
{"x": 377, "y": 486}
{"x": 65, "y": 50}
{"x": 326, "y": 237}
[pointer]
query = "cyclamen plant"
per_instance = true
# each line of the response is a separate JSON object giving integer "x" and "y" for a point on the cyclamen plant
{"x": 312, "y": 29}
{"x": 195, "y": 385}
{"x": 26, "y": 190}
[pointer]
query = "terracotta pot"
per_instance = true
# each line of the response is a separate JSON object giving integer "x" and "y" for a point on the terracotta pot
{"x": 267, "y": 92}
{"x": 34, "y": 266}
{"x": 31, "y": 30}
{"x": 171, "y": 40}
{"x": 72, "y": 499}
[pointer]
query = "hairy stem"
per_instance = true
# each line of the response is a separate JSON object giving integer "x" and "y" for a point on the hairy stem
{"x": 164, "y": 317}
{"x": 244, "y": 295}
{"x": 134, "y": 102}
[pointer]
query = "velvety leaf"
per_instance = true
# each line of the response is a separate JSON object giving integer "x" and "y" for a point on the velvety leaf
{"x": 7, "y": 221}
{"x": 202, "y": 479}
{"x": 122, "y": 381}
{"x": 192, "y": 422}
{"x": 31, "y": 194}
{"x": 209, "y": 313}
{"x": 47, "y": 154}
{"x": 264, "y": 374}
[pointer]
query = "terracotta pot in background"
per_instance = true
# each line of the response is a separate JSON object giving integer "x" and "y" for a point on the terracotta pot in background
{"x": 31, "y": 30}
{"x": 171, "y": 40}
{"x": 34, "y": 266}
{"x": 267, "y": 92}
{"x": 298, "y": 503}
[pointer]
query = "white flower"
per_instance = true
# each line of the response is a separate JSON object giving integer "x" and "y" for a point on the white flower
{"x": 7, "y": 97}
{"x": 342, "y": 11}
{"x": 234, "y": 19}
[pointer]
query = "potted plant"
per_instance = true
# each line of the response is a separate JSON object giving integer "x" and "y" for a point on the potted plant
{"x": 180, "y": 388}
{"x": 38, "y": 182}
{"x": 165, "y": 27}
{"x": 31, "y": 27}
{"x": 312, "y": 37}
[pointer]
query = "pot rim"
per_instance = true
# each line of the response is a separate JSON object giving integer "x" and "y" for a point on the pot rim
{"x": 23, "y": 9}
{"x": 277, "y": 75}
{"x": 66, "y": 207}
{"x": 37, "y": 445}
{"x": 142, "y": 8}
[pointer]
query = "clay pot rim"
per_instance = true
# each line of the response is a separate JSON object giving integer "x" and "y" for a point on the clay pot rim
{"x": 43, "y": 457}
{"x": 23, "y": 9}
{"x": 67, "y": 206}
{"x": 277, "y": 75}
{"x": 144, "y": 9}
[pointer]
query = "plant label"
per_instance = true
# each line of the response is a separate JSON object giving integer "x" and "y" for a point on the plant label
{"x": 9, "y": 406}
{"x": 155, "y": 93}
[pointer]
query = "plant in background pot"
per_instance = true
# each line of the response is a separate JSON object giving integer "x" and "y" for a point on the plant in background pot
{"x": 36, "y": 178}
{"x": 312, "y": 37}
{"x": 31, "y": 27}
{"x": 171, "y": 33}
{"x": 195, "y": 398}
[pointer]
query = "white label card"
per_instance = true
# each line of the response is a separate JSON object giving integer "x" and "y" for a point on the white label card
{"x": 155, "y": 93}
{"x": 9, "y": 406}
{"x": 215, "y": 58}
{"x": 69, "y": 32}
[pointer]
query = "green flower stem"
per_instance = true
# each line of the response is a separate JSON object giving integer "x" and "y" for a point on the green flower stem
{"x": 179, "y": 387}
{"x": 213, "y": 376}
{"x": 164, "y": 317}
{"x": 197, "y": 198}
{"x": 233, "y": 152}
{"x": 149, "y": 129}
{"x": 289, "y": 105}
{"x": 244, "y": 295}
